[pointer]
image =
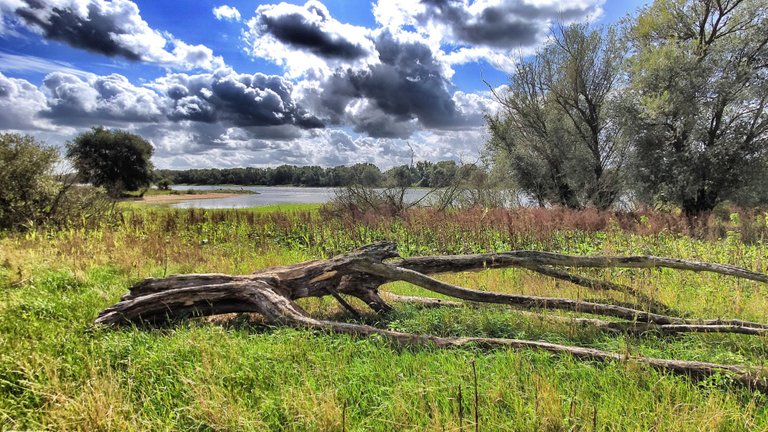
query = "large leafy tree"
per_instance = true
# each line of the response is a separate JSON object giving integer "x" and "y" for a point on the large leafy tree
{"x": 699, "y": 83}
{"x": 118, "y": 160}
{"x": 555, "y": 130}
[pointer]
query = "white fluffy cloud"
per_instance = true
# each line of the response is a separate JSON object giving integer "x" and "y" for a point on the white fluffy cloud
{"x": 225, "y": 96}
{"x": 226, "y": 12}
{"x": 111, "y": 99}
{"x": 20, "y": 105}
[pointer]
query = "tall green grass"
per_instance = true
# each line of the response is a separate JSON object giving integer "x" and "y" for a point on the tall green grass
{"x": 58, "y": 372}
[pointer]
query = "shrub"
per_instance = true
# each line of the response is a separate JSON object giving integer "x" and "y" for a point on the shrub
{"x": 32, "y": 194}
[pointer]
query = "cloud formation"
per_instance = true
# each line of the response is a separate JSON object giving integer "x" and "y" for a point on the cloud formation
{"x": 493, "y": 30}
{"x": 244, "y": 100}
{"x": 107, "y": 100}
{"x": 113, "y": 28}
{"x": 306, "y": 39}
{"x": 226, "y": 12}
{"x": 309, "y": 28}
{"x": 20, "y": 104}
{"x": 347, "y": 93}
{"x": 393, "y": 98}
{"x": 400, "y": 86}
{"x": 502, "y": 23}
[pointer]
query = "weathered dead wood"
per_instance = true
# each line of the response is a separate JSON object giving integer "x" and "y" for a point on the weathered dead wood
{"x": 598, "y": 285}
{"x": 638, "y": 328}
{"x": 456, "y": 263}
{"x": 271, "y": 293}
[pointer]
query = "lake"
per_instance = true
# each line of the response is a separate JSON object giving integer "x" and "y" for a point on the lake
{"x": 268, "y": 195}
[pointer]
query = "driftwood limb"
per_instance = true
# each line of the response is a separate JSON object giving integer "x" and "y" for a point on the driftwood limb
{"x": 635, "y": 327}
{"x": 455, "y": 263}
{"x": 272, "y": 293}
{"x": 598, "y": 285}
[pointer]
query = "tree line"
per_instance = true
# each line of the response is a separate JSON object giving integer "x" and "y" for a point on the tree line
{"x": 668, "y": 108}
{"x": 420, "y": 174}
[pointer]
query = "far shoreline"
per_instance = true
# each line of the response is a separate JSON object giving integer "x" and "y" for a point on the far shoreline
{"x": 172, "y": 198}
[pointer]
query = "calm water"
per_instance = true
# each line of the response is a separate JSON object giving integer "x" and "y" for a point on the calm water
{"x": 266, "y": 195}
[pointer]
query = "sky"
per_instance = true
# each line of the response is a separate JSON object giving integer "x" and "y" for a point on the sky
{"x": 234, "y": 83}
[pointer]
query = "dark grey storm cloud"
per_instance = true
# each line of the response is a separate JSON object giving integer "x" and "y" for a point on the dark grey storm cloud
{"x": 407, "y": 85}
{"x": 511, "y": 23}
{"x": 309, "y": 28}
{"x": 240, "y": 99}
{"x": 296, "y": 30}
{"x": 113, "y": 28}
{"x": 92, "y": 32}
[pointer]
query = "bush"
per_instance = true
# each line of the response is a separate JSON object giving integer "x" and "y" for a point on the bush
{"x": 32, "y": 194}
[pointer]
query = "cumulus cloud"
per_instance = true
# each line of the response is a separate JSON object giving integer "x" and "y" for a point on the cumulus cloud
{"x": 386, "y": 84}
{"x": 392, "y": 98}
{"x": 492, "y": 30}
{"x": 110, "y": 100}
{"x": 494, "y": 23}
{"x": 113, "y": 28}
{"x": 226, "y": 12}
{"x": 243, "y": 100}
{"x": 20, "y": 104}
{"x": 306, "y": 39}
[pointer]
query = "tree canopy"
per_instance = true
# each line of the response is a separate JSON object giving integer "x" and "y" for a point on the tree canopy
{"x": 117, "y": 160}
{"x": 555, "y": 130}
{"x": 699, "y": 87}
{"x": 680, "y": 91}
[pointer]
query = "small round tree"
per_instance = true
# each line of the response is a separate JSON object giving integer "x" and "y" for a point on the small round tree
{"x": 117, "y": 160}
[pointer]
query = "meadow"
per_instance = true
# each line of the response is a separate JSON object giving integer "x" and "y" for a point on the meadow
{"x": 60, "y": 372}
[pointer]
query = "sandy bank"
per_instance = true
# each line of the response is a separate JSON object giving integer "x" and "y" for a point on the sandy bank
{"x": 159, "y": 199}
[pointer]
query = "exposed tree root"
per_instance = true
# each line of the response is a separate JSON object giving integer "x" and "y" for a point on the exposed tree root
{"x": 271, "y": 293}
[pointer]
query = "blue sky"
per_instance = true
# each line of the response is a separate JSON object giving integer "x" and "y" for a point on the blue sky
{"x": 244, "y": 83}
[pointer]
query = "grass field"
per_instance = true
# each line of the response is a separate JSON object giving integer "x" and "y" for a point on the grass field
{"x": 58, "y": 372}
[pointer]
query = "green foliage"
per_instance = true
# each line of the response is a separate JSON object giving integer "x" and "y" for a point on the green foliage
{"x": 556, "y": 131}
{"x": 164, "y": 183}
{"x": 115, "y": 159}
{"x": 699, "y": 86}
{"x": 27, "y": 184}
{"x": 32, "y": 194}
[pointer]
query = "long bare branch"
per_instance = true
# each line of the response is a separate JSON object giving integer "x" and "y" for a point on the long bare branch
{"x": 523, "y": 258}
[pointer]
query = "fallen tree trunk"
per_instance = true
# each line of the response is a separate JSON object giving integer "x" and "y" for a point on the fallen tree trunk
{"x": 271, "y": 293}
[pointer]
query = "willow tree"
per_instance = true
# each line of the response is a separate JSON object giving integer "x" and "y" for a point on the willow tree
{"x": 556, "y": 130}
{"x": 699, "y": 83}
